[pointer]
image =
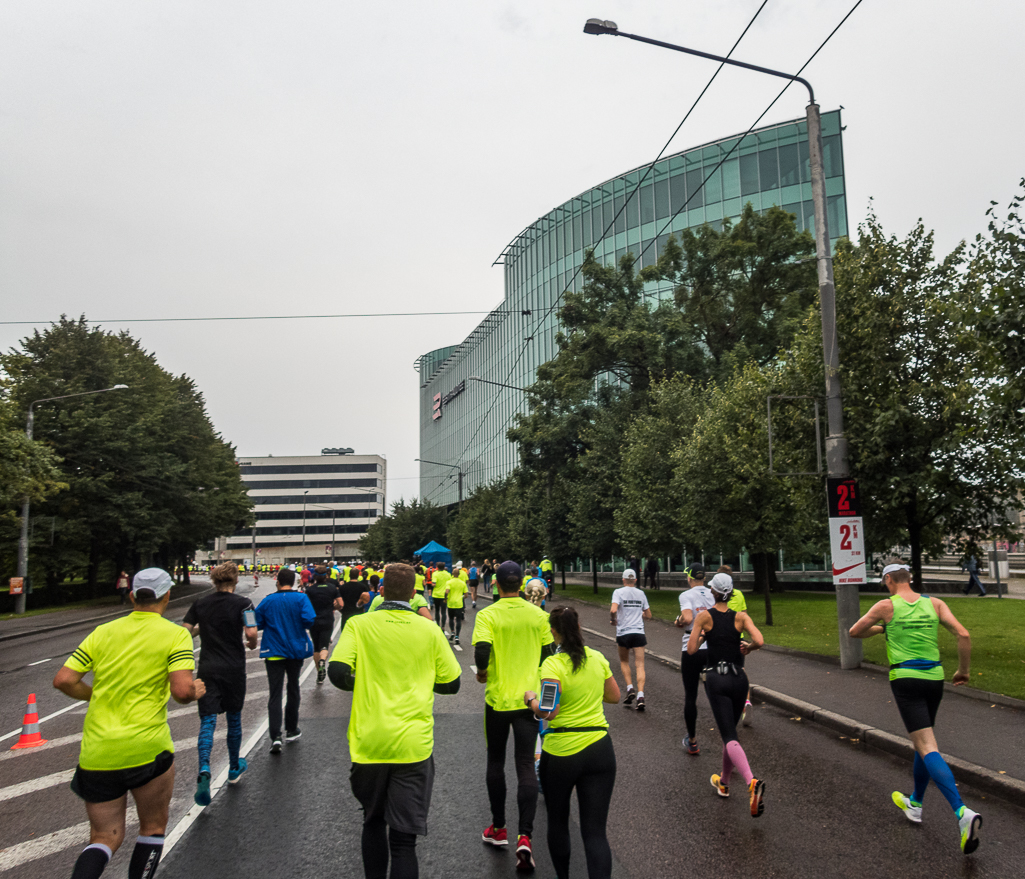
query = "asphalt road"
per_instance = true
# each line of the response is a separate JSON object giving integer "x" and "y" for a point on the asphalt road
{"x": 828, "y": 809}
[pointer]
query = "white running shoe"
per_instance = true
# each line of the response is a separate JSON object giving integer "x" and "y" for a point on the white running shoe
{"x": 912, "y": 812}
{"x": 969, "y": 824}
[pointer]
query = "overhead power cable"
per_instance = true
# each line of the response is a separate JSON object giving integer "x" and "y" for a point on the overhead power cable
{"x": 158, "y": 320}
{"x": 612, "y": 222}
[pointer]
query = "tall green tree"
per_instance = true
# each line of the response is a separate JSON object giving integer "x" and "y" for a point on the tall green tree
{"x": 148, "y": 477}
{"x": 924, "y": 413}
{"x": 404, "y": 530}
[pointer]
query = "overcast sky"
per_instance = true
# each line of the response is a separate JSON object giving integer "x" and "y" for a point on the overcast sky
{"x": 168, "y": 159}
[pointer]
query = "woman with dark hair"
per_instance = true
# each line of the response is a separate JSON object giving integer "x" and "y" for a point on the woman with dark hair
{"x": 576, "y": 748}
{"x": 726, "y": 682}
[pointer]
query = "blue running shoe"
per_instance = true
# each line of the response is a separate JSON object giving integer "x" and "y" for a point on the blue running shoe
{"x": 235, "y": 774}
{"x": 202, "y": 796}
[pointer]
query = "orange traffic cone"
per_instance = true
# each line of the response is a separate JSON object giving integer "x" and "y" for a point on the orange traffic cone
{"x": 30, "y": 736}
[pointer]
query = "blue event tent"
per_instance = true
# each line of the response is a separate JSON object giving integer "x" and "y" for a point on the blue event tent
{"x": 434, "y": 552}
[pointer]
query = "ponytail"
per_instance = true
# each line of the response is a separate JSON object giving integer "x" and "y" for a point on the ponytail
{"x": 566, "y": 622}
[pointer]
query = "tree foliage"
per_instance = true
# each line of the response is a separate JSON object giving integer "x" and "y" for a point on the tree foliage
{"x": 404, "y": 530}
{"x": 148, "y": 478}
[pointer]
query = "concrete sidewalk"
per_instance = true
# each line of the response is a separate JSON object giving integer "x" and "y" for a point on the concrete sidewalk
{"x": 986, "y": 734}
{"x": 53, "y": 621}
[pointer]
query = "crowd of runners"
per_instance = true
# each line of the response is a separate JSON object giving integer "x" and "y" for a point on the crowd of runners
{"x": 399, "y": 630}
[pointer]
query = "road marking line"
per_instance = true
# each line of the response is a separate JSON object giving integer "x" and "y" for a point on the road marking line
{"x": 37, "y": 662}
{"x": 35, "y": 784}
{"x": 52, "y": 843}
{"x": 189, "y": 818}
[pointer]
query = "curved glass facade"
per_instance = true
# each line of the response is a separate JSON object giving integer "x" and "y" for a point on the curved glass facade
{"x": 463, "y": 421}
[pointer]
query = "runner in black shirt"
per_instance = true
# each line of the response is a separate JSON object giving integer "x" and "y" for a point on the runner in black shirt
{"x": 219, "y": 620}
{"x": 354, "y": 595}
{"x": 325, "y": 598}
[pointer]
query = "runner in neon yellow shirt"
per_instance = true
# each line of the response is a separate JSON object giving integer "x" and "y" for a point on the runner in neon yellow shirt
{"x": 439, "y": 590}
{"x": 138, "y": 662}
{"x": 454, "y": 599}
{"x": 394, "y": 662}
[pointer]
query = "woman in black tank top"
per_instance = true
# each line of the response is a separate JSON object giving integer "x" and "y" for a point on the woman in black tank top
{"x": 726, "y": 683}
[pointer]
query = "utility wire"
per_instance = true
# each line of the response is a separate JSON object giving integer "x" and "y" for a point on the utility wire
{"x": 612, "y": 222}
{"x": 157, "y": 320}
{"x": 737, "y": 143}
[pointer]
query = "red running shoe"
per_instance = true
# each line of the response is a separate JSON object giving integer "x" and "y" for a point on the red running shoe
{"x": 495, "y": 836}
{"x": 524, "y": 854}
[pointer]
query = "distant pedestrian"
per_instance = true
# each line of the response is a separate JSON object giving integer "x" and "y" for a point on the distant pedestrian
{"x": 284, "y": 616}
{"x": 474, "y": 582}
{"x": 628, "y": 612}
{"x": 696, "y": 599}
{"x": 140, "y": 660}
{"x": 651, "y": 572}
{"x": 576, "y": 750}
{"x": 355, "y": 594}
{"x": 393, "y": 661}
{"x": 970, "y": 565}
{"x": 221, "y": 621}
{"x": 910, "y": 621}
{"x": 535, "y": 589}
{"x": 439, "y": 590}
{"x": 487, "y": 571}
{"x": 325, "y": 598}
{"x": 123, "y": 586}
{"x": 718, "y": 629}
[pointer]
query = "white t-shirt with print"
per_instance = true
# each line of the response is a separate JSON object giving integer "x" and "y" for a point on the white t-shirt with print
{"x": 632, "y": 604}
{"x": 695, "y": 599}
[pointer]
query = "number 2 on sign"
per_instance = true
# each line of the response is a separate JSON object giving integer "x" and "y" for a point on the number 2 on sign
{"x": 843, "y": 503}
{"x": 846, "y": 532}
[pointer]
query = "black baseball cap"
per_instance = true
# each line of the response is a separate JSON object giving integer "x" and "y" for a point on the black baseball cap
{"x": 695, "y": 572}
{"x": 509, "y": 574}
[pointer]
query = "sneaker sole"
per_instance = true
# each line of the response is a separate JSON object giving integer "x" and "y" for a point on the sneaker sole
{"x": 757, "y": 801}
{"x": 275, "y": 748}
{"x": 524, "y": 859}
{"x": 629, "y": 698}
{"x": 640, "y": 705}
{"x": 495, "y": 842}
{"x": 290, "y": 739}
{"x": 718, "y": 789}
{"x": 898, "y": 801}
{"x": 972, "y": 842}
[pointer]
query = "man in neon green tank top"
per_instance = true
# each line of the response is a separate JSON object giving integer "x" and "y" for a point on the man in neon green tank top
{"x": 910, "y": 622}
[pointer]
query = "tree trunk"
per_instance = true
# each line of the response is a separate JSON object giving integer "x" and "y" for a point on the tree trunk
{"x": 93, "y": 571}
{"x": 594, "y": 573}
{"x": 763, "y": 567}
{"x": 774, "y": 583}
{"x": 563, "y": 568}
{"x": 915, "y": 539}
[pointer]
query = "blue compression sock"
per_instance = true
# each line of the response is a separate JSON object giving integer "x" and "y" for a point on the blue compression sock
{"x": 234, "y": 737}
{"x": 205, "y": 742}
{"x": 921, "y": 774}
{"x": 944, "y": 779}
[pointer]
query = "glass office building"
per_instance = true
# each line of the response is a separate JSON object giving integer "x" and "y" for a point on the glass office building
{"x": 463, "y": 421}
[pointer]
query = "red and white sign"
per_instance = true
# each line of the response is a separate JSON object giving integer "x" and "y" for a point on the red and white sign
{"x": 17, "y": 586}
{"x": 847, "y": 547}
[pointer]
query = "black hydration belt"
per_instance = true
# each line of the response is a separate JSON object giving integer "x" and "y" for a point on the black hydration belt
{"x": 559, "y": 729}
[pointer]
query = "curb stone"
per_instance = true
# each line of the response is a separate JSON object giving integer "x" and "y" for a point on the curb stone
{"x": 1004, "y": 786}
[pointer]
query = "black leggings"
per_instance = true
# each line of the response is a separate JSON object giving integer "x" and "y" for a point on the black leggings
{"x": 727, "y": 695}
{"x": 592, "y": 772}
{"x": 690, "y": 669}
{"x": 496, "y": 732}
{"x": 378, "y": 841}
{"x": 455, "y": 620}
{"x": 277, "y": 669}
{"x": 440, "y": 611}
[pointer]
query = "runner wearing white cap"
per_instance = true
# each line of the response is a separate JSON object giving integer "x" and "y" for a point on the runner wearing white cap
{"x": 628, "y": 612}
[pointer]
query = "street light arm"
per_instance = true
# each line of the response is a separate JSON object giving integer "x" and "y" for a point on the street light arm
{"x": 608, "y": 27}
{"x": 487, "y": 381}
{"x": 82, "y": 394}
{"x": 438, "y": 463}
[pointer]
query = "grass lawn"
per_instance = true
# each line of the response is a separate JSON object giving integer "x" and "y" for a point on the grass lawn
{"x": 807, "y": 621}
{"x": 99, "y": 603}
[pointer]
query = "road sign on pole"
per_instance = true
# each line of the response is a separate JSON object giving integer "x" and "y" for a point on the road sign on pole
{"x": 17, "y": 585}
{"x": 846, "y": 532}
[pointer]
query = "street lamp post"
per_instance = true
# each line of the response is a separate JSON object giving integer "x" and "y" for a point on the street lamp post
{"x": 837, "y": 462}
{"x": 454, "y": 467}
{"x": 19, "y": 601}
{"x": 304, "y": 526}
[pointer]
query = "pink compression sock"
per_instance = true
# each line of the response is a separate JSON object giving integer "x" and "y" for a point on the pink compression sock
{"x": 727, "y": 767}
{"x": 739, "y": 760}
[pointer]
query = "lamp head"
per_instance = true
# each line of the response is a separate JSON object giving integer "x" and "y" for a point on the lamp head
{"x": 120, "y": 388}
{"x": 597, "y": 26}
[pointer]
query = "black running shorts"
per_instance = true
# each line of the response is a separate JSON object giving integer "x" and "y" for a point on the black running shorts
{"x": 456, "y": 613}
{"x": 636, "y": 639}
{"x": 102, "y": 786}
{"x": 917, "y": 701}
{"x": 223, "y": 693}
{"x": 320, "y": 632}
{"x": 398, "y": 792}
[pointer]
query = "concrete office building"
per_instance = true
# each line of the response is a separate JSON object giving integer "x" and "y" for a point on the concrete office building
{"x": 463, "y": 423}
{"x": 309, "y": 507}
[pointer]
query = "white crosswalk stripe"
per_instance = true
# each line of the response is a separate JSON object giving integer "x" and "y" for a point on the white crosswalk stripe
{"x": 34, "y": 784}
